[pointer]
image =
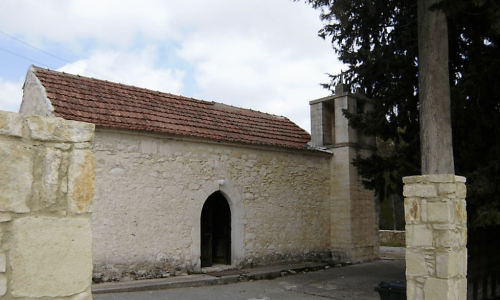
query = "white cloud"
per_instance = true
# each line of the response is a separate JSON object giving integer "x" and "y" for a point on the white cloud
{"x": 257, "y": 54}
{"x": 113, "y": 22}
{"x": 11, "y": 94}
{"x": 247, "y": 72}
{"x": 132, "y": 68}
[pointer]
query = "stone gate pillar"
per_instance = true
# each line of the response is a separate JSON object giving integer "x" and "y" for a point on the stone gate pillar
{"x": 353, "y": 209}
{"x": 436, "y": 237}
{"x": 46, "y": 189}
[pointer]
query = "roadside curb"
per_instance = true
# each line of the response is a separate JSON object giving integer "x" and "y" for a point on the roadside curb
{"x": 198, "y": 280}
{"x": 262, "y": 273}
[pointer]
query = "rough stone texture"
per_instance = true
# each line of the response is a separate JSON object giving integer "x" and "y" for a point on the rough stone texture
{"x": 50, "y": 256}
{"x": 436, "y": 237}
{"x": 3, "y": 284}
{"x": 11, "y": 124}
{"x": 150, "y": 187}
{"x": 80, "y": 181}
{"x": 16, "y": 177}
{"x": 59, "y": 130}
{"x": 45, "y": 248}
{"x": 392, "y": 237}
{"x": 38, "y": 103}
{"x": 354, "y": 219}
{"x": 3, "y": 263}
{"x": 353, "y": 209}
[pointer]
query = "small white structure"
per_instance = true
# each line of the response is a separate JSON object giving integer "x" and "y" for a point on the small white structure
{"x": 182, "y": 184}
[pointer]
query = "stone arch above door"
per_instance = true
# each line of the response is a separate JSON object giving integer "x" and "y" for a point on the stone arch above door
{"x": 233, "y": 196}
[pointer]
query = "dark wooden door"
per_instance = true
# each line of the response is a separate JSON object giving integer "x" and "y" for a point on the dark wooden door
{"x": 221, "y": 233}
{"x": 206, "y": 235}
{"x": 215, "y": 231}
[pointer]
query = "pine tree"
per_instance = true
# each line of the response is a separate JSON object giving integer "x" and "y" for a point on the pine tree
{"x": 378, "y": 40}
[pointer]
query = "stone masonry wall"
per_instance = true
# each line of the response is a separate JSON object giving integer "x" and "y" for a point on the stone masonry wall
{"x": 392, "y": 237}
{"x": 35, "y": 100}
{"x": 150, "y": 191}
{"x": 46, "y": 188}
{"x": 354, "y": 211}
{"x": 436, "y": 237}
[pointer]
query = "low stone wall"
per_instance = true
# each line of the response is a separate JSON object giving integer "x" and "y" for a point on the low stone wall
{"x": 392, "y": 237}
{"x": 46, "y": 188}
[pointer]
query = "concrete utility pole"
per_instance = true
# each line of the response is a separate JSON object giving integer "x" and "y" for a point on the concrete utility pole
{"x": 434, "y": 91}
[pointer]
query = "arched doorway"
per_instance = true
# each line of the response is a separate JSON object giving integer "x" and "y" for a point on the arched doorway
{"x": 215, "y": 231}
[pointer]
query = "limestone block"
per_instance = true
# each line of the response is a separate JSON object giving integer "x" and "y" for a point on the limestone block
{"x": 4, "y": 217}
{"x": 445, "y": 189}
{"x": 15, "y": 177}
{"x": 439, "y": 212}
{"x": 50, "y": 257}
{"x": 3, "y": 284}
{"x": 59, "y": 130}
{"x": 80, "y": 181}
{"x": 419, "y": 236}
{"x": 460, "y": 212}
{"x": 462, "y": 268}
{"x": 11, "y": 124}
{"x": 462, "y": 288}
{"x": 447, "y": 264}
{"x": 435, "y": 288}
{"x": 412, "y": 210}
{"x": 451, "y": 238}
{"x": 413, "y": 290}
{"x": 50, "y": 178}
{"x": 440, "y": 178}
{"x": 420, "y": 190}
{"x": 413, "y": 179}
{"x": 3, "y": 262}
{"x": 461, "y": 191}
{"x": 86, "y": 145}
{"x": 416, "y": 264}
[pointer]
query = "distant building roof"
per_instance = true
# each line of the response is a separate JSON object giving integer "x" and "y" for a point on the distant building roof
{"x": 112, "y": 105}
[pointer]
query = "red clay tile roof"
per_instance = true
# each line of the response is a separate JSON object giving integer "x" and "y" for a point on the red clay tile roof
{"x": 114, "y": 105}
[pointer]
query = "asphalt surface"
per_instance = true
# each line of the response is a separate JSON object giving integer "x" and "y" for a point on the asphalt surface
{"x": 291, "y": 282}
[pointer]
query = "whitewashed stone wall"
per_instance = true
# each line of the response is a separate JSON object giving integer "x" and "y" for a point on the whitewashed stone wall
{"x": 285, "y": 205}
{"x": 37, "y": 102}
{"x": 46, "y": 188}
{"x": 150, "y": 191}
{"x": 436, "y": 237}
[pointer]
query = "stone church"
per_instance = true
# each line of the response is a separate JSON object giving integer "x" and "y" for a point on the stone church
{"x": 183, "y": 184}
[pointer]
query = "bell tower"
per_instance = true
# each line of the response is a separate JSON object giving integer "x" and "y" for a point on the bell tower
{"x": 353, "y": 209}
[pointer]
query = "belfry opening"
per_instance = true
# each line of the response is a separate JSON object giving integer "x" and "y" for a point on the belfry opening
{"x": 215, "y": 231}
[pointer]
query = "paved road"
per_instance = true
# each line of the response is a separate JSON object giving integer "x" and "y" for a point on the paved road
{"x": 354, "y": 282}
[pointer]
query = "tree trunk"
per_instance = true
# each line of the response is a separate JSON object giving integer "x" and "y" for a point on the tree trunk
{"x": 434, "y": 91}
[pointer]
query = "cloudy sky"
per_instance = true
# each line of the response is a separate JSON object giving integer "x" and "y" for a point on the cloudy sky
{"x": 258, "y": 54}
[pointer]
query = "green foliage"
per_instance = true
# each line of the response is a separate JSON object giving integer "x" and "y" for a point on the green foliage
{"x": 377, "y": 39}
